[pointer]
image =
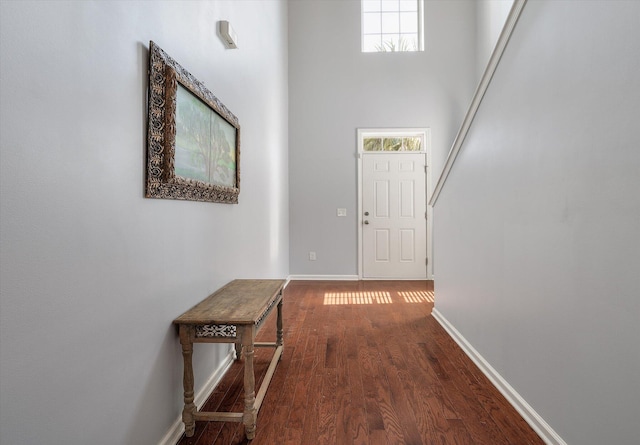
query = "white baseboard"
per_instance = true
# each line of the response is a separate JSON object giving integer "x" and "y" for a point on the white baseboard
{"x": 542, "y": 428}
{"x": 177, "y": 429}
{"x": 396, "y": 279}
{"x": 345, "y": 278}
{"x": 323, "y": 277}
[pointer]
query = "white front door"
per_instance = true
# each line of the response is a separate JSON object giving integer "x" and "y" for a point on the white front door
{"x": 394, "y": 224}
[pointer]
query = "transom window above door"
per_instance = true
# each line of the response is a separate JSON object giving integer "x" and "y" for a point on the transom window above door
{"x": 392, "y": 143}
{"x": 392, "y": 25}
{"x": 390, "y": 140}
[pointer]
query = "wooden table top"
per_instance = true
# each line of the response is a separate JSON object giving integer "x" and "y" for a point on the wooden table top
{"x": 238, "y": 302}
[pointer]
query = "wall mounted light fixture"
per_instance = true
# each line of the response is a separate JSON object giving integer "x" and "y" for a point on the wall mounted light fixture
{"x": 227, "y": 34}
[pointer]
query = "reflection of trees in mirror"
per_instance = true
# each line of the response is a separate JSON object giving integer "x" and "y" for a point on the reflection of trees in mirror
{"x": 192, "y": 137}
{"x": 399, "y": 45}
{"x": 222, "y": 161}
{"x": 203, "y": 150}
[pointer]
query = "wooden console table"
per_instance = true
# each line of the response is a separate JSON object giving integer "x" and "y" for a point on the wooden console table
{"x": 233, "y": 314}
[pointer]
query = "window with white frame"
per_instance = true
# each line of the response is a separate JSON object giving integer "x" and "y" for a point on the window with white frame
{"x": 392, "y": 140}
{"x": 392, "y": 25}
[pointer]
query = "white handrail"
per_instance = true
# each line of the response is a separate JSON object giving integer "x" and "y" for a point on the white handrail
{"x": 494, "y": 60}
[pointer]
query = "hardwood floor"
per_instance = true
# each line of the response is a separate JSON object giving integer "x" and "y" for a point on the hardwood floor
{"x": 365, "y": 363}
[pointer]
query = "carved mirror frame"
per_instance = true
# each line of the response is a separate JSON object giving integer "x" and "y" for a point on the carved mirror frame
{"x": 165, "y": 74}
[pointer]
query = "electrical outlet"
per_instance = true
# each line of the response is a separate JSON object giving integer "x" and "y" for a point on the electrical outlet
{"x": 341, "y": 212}
{"x": 312, "y": 256}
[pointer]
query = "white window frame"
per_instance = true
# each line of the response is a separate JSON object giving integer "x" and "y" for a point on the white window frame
{"x": 420, "y": 29}
{"x": 423, "y": 133}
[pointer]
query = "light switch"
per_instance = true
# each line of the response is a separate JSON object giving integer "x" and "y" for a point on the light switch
{"x": 342, "y": 212}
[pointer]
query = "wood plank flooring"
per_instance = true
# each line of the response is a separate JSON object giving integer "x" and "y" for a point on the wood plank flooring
{"x": 365, "y": 363}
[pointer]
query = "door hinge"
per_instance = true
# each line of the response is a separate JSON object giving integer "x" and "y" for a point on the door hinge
{"x": 426, "y": 261}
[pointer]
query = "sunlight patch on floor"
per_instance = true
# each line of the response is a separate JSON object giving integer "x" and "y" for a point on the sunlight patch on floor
{"x": 417, "y": 296}
{"x": 336, "y": 298}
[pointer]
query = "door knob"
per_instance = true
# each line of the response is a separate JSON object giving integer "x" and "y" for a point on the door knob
{"x": 366, "y": 213}
{"x": 366, "y": 222}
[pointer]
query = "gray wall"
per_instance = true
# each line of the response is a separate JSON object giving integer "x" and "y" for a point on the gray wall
{"x": 92, "y": 272}
{"x": 537, "y": 229}
{"x": 335, "y": 89}
{"x": 491, "y": 15}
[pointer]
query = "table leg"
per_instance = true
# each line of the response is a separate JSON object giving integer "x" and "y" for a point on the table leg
{"x": 186, "y": 340}
{"x": 238, "y": 346}
{"x": 279, "y": 340}
{"x": 250, "y": 412}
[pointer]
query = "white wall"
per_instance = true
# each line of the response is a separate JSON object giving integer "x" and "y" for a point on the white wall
{"x": 537, "y": 229}
{"x": 93, "y": 273}
{"x": 335, "y": 89}
{"x": 491, "y": 15}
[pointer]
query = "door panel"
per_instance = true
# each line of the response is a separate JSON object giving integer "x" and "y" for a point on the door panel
{"x": 407, "y": 199}
{"x": 407, "y": 245}
{"x": 382, "y": 203}
{"x": 406, "y": 166}
{"x": 394, "y": 231}
{"x": 382, "y": 247}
